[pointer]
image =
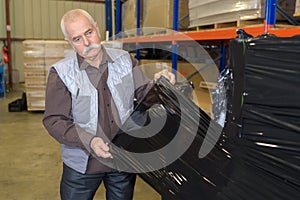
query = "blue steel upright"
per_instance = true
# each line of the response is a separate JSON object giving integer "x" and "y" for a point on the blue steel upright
{"x": 138, "y": 26}
{"x": 174, "y": 43}
{"x": 2, "y": 82}
{"x": 223, "y": 56}
{"x": 108, "y": 17}
{"x": 118, "y": 18}
{"x": 270, "y": 14}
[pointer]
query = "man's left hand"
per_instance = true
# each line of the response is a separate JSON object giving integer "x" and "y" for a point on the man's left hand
{"x": 170, "y": 76}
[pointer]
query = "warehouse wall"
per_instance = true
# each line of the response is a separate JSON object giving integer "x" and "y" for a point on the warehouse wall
{"x": 40, "y": 19}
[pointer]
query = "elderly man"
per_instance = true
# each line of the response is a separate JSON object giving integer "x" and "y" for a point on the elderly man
{"x": 89, "y": 95}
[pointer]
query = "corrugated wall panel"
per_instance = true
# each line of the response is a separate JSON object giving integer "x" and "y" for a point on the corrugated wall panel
{"x": 45, "y": 20}
{"x": 17, "y": 19}
{"x": 40, "y": 19}
{"x": 2, "y": 19}
{"x": 37, "y": 23}
{"x": 12, "y": 18}
{"x": 53, "y": 19}
{"x": 68, "y": 5}
{"x": 28, "y": 19}
{"x": 84, "y": 6}
{"x": 17, "y": 59}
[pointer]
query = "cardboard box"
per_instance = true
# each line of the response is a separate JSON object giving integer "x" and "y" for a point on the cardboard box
{"x": 159, "y": 13}
{"x": 154, "y": 13}
{"x": 129, "y": 16}
{"x": 297, "y": 8}
{"x": 39, "y": 55}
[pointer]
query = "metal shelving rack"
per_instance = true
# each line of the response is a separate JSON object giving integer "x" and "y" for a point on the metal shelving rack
{"x": 216, "y": 35}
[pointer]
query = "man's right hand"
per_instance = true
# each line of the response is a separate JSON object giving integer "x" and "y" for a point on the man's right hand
{"x": 100, "y": 148}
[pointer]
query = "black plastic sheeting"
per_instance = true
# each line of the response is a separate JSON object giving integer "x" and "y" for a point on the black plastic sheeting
{"x": 257, "y": 156}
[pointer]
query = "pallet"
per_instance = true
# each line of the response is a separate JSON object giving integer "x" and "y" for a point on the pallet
{"x": 236, "y": 24}
{"x": 296, "y": 15}
{"x": 35, "y": 82}
{"x": 36, "y": 105}
{"x": 35, "y": 102}
{"x": 146, "y": 32}
{"x": 208, "y": 85}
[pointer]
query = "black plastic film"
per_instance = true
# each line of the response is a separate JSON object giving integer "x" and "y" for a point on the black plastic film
{"x": 256, "y": 154}
{"x": 264, "y": 111}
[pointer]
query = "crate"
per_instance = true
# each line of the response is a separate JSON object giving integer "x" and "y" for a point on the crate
{"x": 36, "y": 82}
{"x": 18, "y": 105}
{"x": 36, "y": 73}
{"x": 15, "y": 106}
{"x": 35, "y": 103}
{"x": 35, "y": 98}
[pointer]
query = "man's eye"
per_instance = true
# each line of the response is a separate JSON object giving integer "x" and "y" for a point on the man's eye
{"x": 76, "y": 40}
{"x": 89, "y": 33}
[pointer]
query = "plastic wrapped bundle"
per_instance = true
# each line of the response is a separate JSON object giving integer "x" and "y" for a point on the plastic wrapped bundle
{"x": 264, "y": 111}
{"x": 188, "y": 132}
{"x": 255, "y": 155}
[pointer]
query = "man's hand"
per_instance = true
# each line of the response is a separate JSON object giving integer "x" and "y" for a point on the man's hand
{"x": 100, "y": 148}
{"x": 170, "y": 76}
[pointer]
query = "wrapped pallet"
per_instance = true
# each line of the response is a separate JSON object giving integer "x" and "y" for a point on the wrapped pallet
{"x": 39, "y": 55}
{"x": 207, "y": 12}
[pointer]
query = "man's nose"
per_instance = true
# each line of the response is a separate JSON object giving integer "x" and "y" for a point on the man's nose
{"x": 86, "y": 41}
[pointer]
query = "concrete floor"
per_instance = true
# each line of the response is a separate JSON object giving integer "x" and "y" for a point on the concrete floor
{"x": 30, "y": 166}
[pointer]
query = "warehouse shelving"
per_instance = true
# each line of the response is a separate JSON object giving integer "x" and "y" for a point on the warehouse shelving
{"x": 214, "y": 34}
{"x": 219, "y": 36}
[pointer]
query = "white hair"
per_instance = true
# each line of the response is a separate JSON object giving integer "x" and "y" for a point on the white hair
{"x": 72, "y": 14}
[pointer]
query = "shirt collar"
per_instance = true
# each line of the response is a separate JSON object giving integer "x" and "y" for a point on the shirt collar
{"x": 83, "y": 64}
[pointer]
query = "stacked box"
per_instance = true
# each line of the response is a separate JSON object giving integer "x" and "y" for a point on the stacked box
{"x": 129, "y": 16}
{"x": 154, "y": 13}
{"x": 159, "y": 13}
{"x": 208, "y": 12}
{"x": 39, "y": 55}
{"x": 297, "y": 8}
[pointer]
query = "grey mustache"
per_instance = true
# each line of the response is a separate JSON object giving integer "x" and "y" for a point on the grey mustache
{"x": 92, "y": 46}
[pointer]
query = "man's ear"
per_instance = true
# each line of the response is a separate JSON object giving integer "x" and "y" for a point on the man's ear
{"x": 67, "y": 41}
{"x": 97, "y": 28}
{"x": 70, "y": 43}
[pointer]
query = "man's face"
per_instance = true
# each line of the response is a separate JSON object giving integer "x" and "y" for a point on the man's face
{"x": 84, "y": 37}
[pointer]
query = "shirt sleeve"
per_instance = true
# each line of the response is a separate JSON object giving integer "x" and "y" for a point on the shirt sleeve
{"x": 57, "y": 111}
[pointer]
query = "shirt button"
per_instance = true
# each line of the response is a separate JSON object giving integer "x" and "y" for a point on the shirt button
{"x": 104, "y": 88}
{"x": 112, "y": 121}
{"x": 108, "y": 105}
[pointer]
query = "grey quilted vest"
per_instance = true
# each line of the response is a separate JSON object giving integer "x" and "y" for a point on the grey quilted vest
{"x": 85, "y": 98}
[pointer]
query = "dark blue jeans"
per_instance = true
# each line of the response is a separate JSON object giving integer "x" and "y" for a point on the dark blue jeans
{"x": 77, "y": 186}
